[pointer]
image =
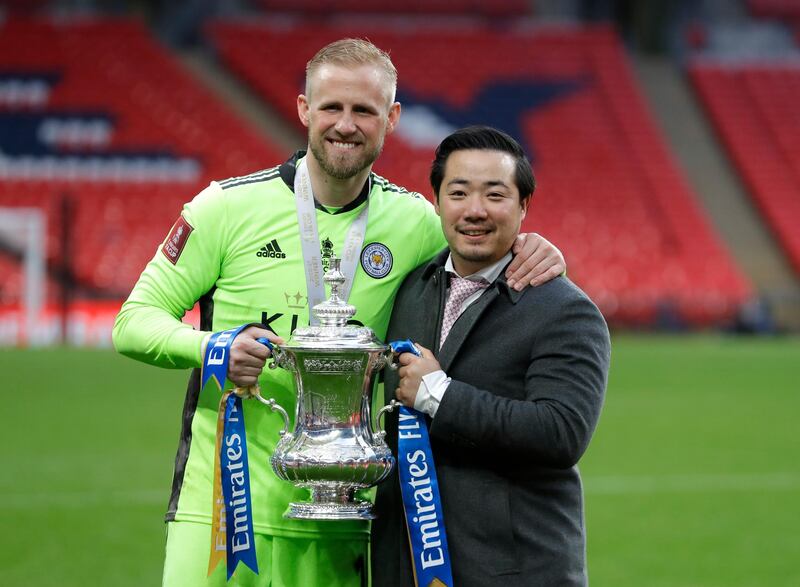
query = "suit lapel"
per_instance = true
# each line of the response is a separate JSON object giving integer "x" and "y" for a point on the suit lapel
{"x": 463, "y": 326}
{"x": 424, "y": 317}
{"x": 431, "y": 304}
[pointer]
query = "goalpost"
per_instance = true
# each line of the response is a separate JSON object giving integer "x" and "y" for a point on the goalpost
{"x": 24, "y": 230}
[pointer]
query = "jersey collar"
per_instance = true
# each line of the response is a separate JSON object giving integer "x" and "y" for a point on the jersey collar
{"x": 289, "y": 168}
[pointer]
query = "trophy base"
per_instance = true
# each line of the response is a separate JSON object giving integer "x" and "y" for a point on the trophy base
{"x": 359, "y": 510}
{"x": 331, "y": 503}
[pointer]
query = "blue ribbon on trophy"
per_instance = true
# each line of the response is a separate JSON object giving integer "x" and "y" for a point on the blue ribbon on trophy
{"x": 421, "y": 499}
{"x": 235, "y": 480}
{"x": 232, "y": 536}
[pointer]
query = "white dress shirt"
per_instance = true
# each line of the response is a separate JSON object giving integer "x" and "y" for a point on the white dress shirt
{"x": 434, "y": 385}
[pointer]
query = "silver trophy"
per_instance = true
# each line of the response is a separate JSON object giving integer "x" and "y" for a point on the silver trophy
{"x": 332, "y": 450}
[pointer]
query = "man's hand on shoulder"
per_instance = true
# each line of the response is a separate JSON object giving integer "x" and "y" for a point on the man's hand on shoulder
{"x": 248, "y": 356}
{"x": 536, "y": 261}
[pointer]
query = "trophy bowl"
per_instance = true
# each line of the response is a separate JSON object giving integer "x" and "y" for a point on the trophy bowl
{"x": 333, "y": 450}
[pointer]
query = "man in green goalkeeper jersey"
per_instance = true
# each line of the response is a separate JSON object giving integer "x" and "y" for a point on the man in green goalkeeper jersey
{"x": 236, "y": 248}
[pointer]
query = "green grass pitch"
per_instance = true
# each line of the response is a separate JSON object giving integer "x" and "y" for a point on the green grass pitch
{"x": 692, "y": 480}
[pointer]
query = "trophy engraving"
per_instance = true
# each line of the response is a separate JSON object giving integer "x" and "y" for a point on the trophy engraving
{"x": 332, "y": 365}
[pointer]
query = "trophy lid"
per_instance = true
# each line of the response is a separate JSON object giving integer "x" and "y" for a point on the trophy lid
{"x": 333, "y": 331}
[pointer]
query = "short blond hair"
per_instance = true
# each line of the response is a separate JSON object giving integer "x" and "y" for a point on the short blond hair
{"x": 354, "y": 52}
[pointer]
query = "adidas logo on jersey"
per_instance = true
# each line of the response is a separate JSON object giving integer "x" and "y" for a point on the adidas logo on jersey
{"x": 271, "y": 250}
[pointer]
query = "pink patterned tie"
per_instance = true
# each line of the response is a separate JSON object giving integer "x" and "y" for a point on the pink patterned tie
{"x": 460, "y": 290}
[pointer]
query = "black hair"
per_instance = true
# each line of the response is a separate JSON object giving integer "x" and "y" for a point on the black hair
{"x": 489, "y": 139}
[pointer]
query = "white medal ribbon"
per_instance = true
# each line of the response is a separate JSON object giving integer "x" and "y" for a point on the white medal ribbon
{"x": 310, "y": 245}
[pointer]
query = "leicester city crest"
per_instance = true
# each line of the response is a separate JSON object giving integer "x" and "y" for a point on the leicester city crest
{"x": 376, "y": 259}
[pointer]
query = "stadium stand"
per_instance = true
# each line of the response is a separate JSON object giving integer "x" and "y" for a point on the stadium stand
{"x": 609, "y": 191}
{"x": 96, "y": 111}
{"x": 754, "y": 109}
{"x": 496, "y": 8}
{"x": 775, "y": 9}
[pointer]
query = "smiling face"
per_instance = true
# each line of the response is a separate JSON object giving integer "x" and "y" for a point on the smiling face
{"x": 348, "y": 112}
{"x": 480, "y": 207}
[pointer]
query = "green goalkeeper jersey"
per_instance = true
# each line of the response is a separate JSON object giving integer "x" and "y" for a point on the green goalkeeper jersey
{"x": 236, "y": 249}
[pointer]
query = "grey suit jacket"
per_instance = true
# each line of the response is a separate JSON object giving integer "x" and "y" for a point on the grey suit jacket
{"x": 528, "y": 376}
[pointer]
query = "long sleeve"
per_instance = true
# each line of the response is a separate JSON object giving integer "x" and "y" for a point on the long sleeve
{"x": 148, "y": 327}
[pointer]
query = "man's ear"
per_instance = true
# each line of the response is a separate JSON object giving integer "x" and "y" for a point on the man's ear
{"x": 436, "y": 203}
{"x": 393, "y": 118}
{"x": 524, "y": 205}
{"x": 302, "y": 109}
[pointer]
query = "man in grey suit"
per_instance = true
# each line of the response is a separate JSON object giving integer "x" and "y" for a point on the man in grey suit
{"x": 511, "y": 384}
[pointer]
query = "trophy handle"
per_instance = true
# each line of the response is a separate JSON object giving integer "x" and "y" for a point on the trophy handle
{"x": 395, "y": 348}
{"x": 275, "y": 407}
{"x": 275, "y": 358}
{"x": 255, "y": 391}
{"x": 379, "y": 431}
{"x": 398, "y": 347}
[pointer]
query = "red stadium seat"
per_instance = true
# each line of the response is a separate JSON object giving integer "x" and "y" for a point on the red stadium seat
{"x": 775, "y": 9}
{"x": 754, "y": 110}
{"x": 496, "y": 8}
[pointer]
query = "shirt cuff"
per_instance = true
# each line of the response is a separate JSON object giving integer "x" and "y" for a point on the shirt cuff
{"x": 431, "y": 391}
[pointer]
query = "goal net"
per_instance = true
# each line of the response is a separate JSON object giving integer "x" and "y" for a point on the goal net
{"x": 23, "y": 234}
